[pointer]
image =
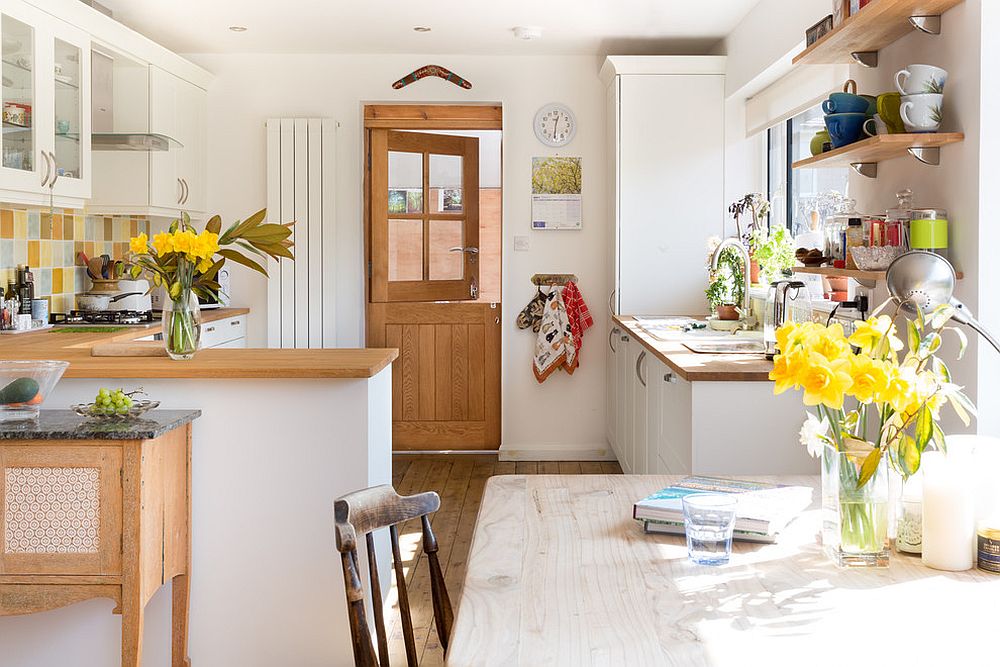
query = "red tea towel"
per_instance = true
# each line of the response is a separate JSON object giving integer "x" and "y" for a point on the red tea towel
{"x": 580, "y": 319}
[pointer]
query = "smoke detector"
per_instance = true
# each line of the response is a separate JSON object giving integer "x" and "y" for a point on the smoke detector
{"x": 527, "y": 33}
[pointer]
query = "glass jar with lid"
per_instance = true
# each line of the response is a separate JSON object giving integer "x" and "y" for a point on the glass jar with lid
{"x": 929, "y": 230}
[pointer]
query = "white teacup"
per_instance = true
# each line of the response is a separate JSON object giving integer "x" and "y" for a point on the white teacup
{"x": 875, "y": 125}
{"x": 919, "y": 79}
{"x": 921, "y": 113}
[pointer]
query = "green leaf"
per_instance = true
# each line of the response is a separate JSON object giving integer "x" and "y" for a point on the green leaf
{"x": 213, "y": 270}
{"x": 241, "y": 259}
{"x": 249, "y": 223}
{"x": 268, "y": 232}
{"x": 909, "y": 455}
{"x": 214, "y": 224}
{"x": 913, "y": 336}
{"x": 869, "y": 466}
{"x": 135, "y": 271}
{"x": 929, "y": 345}
{"x": 941, "y": 369}
{"x": 956, "y": 405}
{"x": 174, "y": 225}
{"x": 925, "y": 427}
{"x": 939, "y": 439}
{"x": 249, "y": 248}
{"x": 963, "y": 340}
{"x": 941, "y": 315}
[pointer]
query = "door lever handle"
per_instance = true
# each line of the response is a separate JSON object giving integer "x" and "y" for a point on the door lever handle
{"x": 458, "y": 248}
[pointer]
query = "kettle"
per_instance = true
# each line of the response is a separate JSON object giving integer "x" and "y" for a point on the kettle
{"x": 787, "y": 301}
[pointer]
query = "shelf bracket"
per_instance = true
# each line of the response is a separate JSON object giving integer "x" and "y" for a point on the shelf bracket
{"x": 866, "y": 169}
{"x": 865, "y": 58}
{"x": 930, "y": 25}
{"x": 927, "y": 154}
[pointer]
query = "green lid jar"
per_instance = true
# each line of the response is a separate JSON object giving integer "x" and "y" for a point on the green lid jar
{"x": 929, "y": 230}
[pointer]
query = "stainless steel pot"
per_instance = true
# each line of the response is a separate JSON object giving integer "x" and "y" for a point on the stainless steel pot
{"x": 96, "y": 302}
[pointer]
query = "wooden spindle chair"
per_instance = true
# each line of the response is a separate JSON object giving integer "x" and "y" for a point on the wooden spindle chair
{"x": 360, "y": 513}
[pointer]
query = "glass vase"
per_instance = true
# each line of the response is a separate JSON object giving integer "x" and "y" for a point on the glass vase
{"x": 855, "y": 520}
{"x": 182, "y": 326}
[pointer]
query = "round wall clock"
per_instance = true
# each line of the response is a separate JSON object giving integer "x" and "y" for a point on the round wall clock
{"x": 555, "y": 125}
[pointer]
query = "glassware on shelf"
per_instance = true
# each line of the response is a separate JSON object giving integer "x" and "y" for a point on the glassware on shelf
{"x": 929, "y": 230}
{"x": 897, "y": 220}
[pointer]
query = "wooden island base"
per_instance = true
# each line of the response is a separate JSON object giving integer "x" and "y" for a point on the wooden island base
{"x": 95, "y": 517}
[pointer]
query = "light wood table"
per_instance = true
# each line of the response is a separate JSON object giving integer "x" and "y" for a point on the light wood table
{"x": 559, "y": 574}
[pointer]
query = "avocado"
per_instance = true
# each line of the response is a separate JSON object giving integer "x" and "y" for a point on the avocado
{"x": 20, "y": 390}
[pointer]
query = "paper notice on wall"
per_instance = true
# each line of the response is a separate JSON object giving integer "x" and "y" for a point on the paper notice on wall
{"x": 556, "y": 193}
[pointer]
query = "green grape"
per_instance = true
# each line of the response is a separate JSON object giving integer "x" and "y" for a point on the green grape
{"x": 122, "y": 410}
{"x": 106, "y": 401}
{"x": 102, "y": 392}
{"x": 128, "y": 401}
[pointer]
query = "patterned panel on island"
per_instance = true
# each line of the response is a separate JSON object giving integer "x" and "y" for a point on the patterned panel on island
{"x": 52, "y": 510}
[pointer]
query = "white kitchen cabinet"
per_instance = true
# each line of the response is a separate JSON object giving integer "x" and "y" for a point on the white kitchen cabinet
{"x": 46, "y": 150}
{"x": 666, "y": 148}
{"x": 669, "y": 422}
{"x": 636, "y": 370}
{"x": 229, "y": 332}
{"x": 177, "y": 110}
{"x": 611, "y": 383}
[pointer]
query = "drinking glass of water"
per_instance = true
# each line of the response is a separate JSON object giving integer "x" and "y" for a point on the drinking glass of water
{"x": 708, "y": 525}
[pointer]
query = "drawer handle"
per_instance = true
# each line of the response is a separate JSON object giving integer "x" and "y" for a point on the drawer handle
{"x": 209, "y": 329}
{"x": 235, "y": 323}
{"x": 611, "y": 337}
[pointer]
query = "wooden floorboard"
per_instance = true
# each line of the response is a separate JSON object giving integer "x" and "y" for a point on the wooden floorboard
{"x": 459, "y": 479}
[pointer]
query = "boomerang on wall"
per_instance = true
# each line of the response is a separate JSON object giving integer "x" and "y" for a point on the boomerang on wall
{"x": 432, "y": 70}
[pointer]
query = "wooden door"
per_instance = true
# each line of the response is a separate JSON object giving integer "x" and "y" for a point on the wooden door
{"x": 60, "y": 509}
{"x": 424, "y": 206}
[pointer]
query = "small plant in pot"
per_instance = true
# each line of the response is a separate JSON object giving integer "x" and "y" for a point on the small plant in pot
{"x": 756, "y": 205}
{"x": 725, "y": 285}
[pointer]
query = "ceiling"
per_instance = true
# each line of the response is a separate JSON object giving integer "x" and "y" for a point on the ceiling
{"x": 592, "y": 27}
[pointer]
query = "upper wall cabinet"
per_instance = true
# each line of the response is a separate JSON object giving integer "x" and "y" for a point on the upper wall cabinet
{"x": 46, "y": 110}
{"x": 154, "y": 127}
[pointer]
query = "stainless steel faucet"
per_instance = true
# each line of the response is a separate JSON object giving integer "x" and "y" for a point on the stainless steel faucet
{"x": 736, "y": 243}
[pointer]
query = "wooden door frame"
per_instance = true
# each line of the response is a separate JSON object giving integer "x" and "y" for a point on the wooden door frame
{"x": 483, "y": 116}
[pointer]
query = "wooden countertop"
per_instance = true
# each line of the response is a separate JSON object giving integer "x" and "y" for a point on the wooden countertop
{"x": 214, "y": 363}
{"x": 697, "y": 367}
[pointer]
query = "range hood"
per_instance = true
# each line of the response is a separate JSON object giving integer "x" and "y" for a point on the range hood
{"x": 104, "y": 137}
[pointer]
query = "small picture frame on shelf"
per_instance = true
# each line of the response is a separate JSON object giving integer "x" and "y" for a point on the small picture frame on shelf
{"x": 841, "y": 9}
{"x": 816, "y": 31}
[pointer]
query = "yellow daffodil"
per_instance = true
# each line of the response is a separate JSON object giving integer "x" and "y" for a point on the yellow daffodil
{"x": 205, "y": 245}
{"x": 870, "y": 378}
{"x": 163, "y": 243}
{"x": 876, "y": 336}
{"x": 831, "y": 343}
{"x": 139, "y": 244}
{"x": 204, "y": 265}
{"x": 825, "y": 382}
{"x": 786, "y": 371}
{"x": 792, "y": 335}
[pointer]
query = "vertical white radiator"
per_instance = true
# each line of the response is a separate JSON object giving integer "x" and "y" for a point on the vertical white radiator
{"x": 301, "y": 186}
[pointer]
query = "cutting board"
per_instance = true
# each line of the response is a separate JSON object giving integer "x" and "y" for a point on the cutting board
{"x": 144, "y": 348}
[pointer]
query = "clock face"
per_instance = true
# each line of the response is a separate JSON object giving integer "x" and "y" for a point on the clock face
{"x": 555, "y": 125}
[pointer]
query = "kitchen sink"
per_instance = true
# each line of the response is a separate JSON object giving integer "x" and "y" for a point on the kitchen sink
{"x": 725, "y": 346}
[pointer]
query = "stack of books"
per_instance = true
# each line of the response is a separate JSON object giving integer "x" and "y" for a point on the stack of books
{"x": 762, "y": 510}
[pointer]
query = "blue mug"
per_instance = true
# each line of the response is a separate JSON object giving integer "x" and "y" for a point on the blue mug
{"x": 845, "y": 128}
{"x": 845, "y": 103}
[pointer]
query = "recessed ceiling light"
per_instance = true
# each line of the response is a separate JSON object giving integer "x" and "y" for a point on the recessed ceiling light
{"x": 421, "y": 28}
{"x": 527, "y": 32}
{"x": 238, "y": 28}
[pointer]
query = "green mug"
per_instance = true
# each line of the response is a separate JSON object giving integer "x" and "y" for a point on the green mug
{"x": 888, "y": 110}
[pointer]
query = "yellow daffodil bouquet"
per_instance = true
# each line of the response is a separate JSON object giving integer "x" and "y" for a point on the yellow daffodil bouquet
{"x": 186, "y": 263}
{"x": 870, "y": 402}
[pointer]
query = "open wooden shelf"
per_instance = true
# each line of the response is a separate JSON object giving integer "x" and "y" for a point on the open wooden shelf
{"x": 857, "y": 274}
{"x": 873, "y": 28}
{"x": 878, "y": 148}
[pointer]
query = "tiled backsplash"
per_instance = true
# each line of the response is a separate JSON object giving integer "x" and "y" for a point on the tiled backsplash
{"x": 49, "y": 244}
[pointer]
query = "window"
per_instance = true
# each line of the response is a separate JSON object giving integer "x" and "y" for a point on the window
{"x": 797, "y": 195}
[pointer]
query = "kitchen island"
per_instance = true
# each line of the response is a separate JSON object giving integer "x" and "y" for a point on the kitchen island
{"x": 282, "y": 433}
{"x": 674, "y": 411}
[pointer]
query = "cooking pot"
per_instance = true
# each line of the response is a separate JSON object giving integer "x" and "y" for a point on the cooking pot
{"x": 95, "y": 302}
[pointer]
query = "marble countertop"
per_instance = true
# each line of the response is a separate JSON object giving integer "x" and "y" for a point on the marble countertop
{"x": 67, "y": 425}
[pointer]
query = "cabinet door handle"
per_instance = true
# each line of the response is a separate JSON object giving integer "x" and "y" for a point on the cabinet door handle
{"x": 638, "y": 364}
{"x": 187, "y": 191}
{"x": 234, "y": 323}
{"x": 611, "y": 337}
{"x": 670, "y": 377}
{"x": 180, "y": 191}
{"x": 48, "y": 169}
{"x": 611, "y": 300}
{"x": 55, "y": 172}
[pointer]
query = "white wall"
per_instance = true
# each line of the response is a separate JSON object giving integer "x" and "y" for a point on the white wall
{"x": 250, "y": 88}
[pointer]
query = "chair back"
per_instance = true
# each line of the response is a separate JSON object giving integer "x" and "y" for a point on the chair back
{"x": 361, "y": 513}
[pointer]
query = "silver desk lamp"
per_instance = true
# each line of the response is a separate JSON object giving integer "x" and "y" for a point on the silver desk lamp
{"x": 924, "y": 280}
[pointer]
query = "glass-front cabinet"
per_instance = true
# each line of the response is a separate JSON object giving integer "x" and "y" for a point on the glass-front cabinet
{"x": 45, "y": 105}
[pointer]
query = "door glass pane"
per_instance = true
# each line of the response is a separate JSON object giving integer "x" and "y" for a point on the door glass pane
{"x": 406, "y": 249}
{"x": 445, "y": 183}
{"x": 445, "y": 263}
{"x": 18, "y": 94}
{"x": 406, "y": 182}
{"x": 68, "y": 112}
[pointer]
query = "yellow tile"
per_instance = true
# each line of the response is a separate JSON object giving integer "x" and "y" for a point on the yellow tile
{"x": 45, "y": 254}
{"x": 89, "y": 247}
{"x": 68, "y": 227}
{"x": 57, "y": 227}
{"x": 78, "y": 228}
{"x": 109, "y": 231}
{"x": 33, "y": 253}
{"x": 20, "y": 226}
{"x": 6, "y": 224}
{"x": 45, "y": 226}
{"x": 57, "y": 281}
{"x": 69, "y": 281}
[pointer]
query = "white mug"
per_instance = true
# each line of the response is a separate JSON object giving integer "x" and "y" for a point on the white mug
{"x": 921, "y": 113}
{"x": 918, "y": 79}
{"x": 878, "y": 126}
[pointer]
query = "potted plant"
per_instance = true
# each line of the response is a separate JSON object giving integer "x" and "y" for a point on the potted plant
{"x": 871, "y": 407}
{"x": 725, "y": 284}
{"x": 758, "y": 207}
{"x": 185, "y": 263}
{"x": 772, "y": 252}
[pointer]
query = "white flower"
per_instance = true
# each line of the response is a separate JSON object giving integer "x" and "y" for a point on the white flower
{"x": 813, "y": 434}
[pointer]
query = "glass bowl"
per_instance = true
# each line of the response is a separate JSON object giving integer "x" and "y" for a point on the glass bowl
{"x": 875, "y": 258}
{"x": 24, "y": 385}
{"x": 138, "y": 409}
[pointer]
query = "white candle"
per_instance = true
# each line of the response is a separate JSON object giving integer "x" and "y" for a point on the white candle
{"x": 949, "y": 511}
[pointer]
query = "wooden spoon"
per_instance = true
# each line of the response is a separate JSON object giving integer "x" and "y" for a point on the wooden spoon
{"x": 94, "y": 266}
